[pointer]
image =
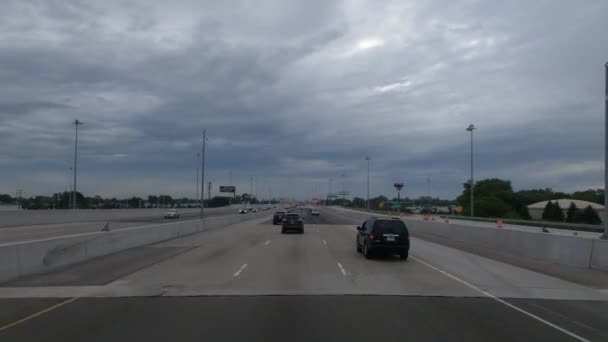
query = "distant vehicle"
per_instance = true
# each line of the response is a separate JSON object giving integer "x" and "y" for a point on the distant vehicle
{"x": 293, "y": 222}
{"x": 249, "y": 208}
{"x": 383, "y": 235}
{"x": 242, "y": 211}
{"x": 254, "y": 210}
{"x": 315, "y": 212}
{"x": 278, "y": 217}
{"x": 173, "y": 213}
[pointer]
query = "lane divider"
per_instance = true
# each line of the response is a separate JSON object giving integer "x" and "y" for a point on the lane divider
{"x": 489, "y": 295}
{"x": 266, "y": 243}
{"x": 342, "y": 269}
{"x": 325, "y": 242}
{"x": 236, "y": 274}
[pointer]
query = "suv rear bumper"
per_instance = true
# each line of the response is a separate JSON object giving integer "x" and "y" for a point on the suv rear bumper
{"x": 394, "y": 248}
{"x": 293, "y": 227}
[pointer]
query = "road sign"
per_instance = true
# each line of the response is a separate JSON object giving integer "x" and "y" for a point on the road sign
{"x": 459, "y": 209}
{"x": 228, "y": 188}
{"x": 398, "y": 186}
{"x": 343, "y": 193}
{"x": 381, "y": 205}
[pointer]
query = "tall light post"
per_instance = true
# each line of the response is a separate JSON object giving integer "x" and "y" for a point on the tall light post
{"x": 605, "y": 236}
{"x": 203, "y": 174}
{"x": 198, "y": 160}
{"x": 76, "y": 123}
{"x": 471, "y": 128}
{"x": 428, "y": 192}
{"x": 329, "y": 194}
{"x": 368, "y": 158}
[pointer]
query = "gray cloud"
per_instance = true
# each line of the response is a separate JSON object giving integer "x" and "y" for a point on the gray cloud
{"x": 297, "y": 93}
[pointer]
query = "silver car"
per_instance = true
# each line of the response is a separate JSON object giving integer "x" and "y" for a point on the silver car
{"x": 172, "y": 214}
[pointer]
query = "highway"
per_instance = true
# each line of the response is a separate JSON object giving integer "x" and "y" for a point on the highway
{"x": 249, "y": 282}
{"x": 27, "y": 225}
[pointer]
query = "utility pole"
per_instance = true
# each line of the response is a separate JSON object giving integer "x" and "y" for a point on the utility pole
{"x": 368, "y": 158}
{"x": 76, "y": 123}
{"x": 471, "y": 128}
{"x": 605, "y": 236}
{"x": 250, "y": 188}
{"x": 203, "y": 174}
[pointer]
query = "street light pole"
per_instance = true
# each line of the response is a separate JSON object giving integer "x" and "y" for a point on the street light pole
{"x": 471, "y": 128}
{"x": 198, "y": 158}
{"x": 368, "y": 158}
{"x": 76, "y": 124}
{"x": 203, "y": 175}
{"x": 605, "y": 236}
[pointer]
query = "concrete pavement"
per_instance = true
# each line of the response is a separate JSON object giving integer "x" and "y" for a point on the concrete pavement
{"x": 249, "y": 282}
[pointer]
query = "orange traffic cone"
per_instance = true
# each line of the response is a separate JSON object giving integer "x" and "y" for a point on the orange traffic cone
{"x": 499, "y": 222}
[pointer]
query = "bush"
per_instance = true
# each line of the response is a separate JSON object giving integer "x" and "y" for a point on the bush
{"x": 573, "y": 212}
{"x": 589, "y": 216}
{"x": 553, "y": 212}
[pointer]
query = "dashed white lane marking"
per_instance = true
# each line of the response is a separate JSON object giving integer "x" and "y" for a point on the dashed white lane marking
{"x": 266, "y": 243}
{"x": 569, "y": 333}
{"x": 325, "y": 242}
{"x": 236, "y": 274}
{"x": 342, "y": 269}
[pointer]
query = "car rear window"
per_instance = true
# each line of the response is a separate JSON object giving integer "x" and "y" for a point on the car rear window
{"x": 280, "y": 212}
{"x": 389, "y": 227}
{"x": 293, "y": 215}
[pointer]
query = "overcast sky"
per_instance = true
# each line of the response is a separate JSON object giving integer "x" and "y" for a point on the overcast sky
{"x": 294, "y": 93}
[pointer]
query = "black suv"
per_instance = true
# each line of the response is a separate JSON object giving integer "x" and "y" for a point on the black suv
{"x": 278, "y": 217}
{"x": 293, "y": 222}
{"x": 383, "y": 235}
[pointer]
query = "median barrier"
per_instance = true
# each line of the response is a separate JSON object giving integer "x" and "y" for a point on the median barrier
{"x": 39, "y": 256}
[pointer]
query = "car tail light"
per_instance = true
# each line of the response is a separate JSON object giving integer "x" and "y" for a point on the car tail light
{"x": 371, "y": 236}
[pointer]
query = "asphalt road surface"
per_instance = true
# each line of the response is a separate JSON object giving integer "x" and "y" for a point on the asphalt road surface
{"x": 249, "y": 282}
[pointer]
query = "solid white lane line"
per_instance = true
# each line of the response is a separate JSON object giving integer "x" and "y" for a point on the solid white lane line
{"x": 342, "y": 269}
{"x": 325, "y": 242}
{"x": 267, "y": 242}
{"x": 236, "y": 274}
{"x": 569, "y": 333}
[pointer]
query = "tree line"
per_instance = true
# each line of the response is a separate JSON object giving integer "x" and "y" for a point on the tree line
{"x": 495, "y": 198}
{"x": 63, "y": 200}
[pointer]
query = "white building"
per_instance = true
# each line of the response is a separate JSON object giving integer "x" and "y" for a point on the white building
{"x": 536, "y": 209}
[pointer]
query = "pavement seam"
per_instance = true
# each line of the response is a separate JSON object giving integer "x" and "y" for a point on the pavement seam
{"x": 39, "y": 313}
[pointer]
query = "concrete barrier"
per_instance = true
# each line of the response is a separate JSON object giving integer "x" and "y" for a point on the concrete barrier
{"x": 39, "y": 256}
{"x": 599, "y": 255}
{"x": 567, "y": 250}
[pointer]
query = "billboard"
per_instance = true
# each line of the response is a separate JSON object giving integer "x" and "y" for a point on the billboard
{"x": 228, "y": 188}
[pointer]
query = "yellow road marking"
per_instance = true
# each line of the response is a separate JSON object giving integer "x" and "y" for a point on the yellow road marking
{"x": 42, "y": 312}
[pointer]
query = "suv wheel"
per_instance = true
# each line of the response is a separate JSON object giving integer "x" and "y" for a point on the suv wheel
{"x": 357, "y": 245}
{"x": 403, "y": 254}
{"x": 366, "y": 252}
{"x": 282, "y": 231}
